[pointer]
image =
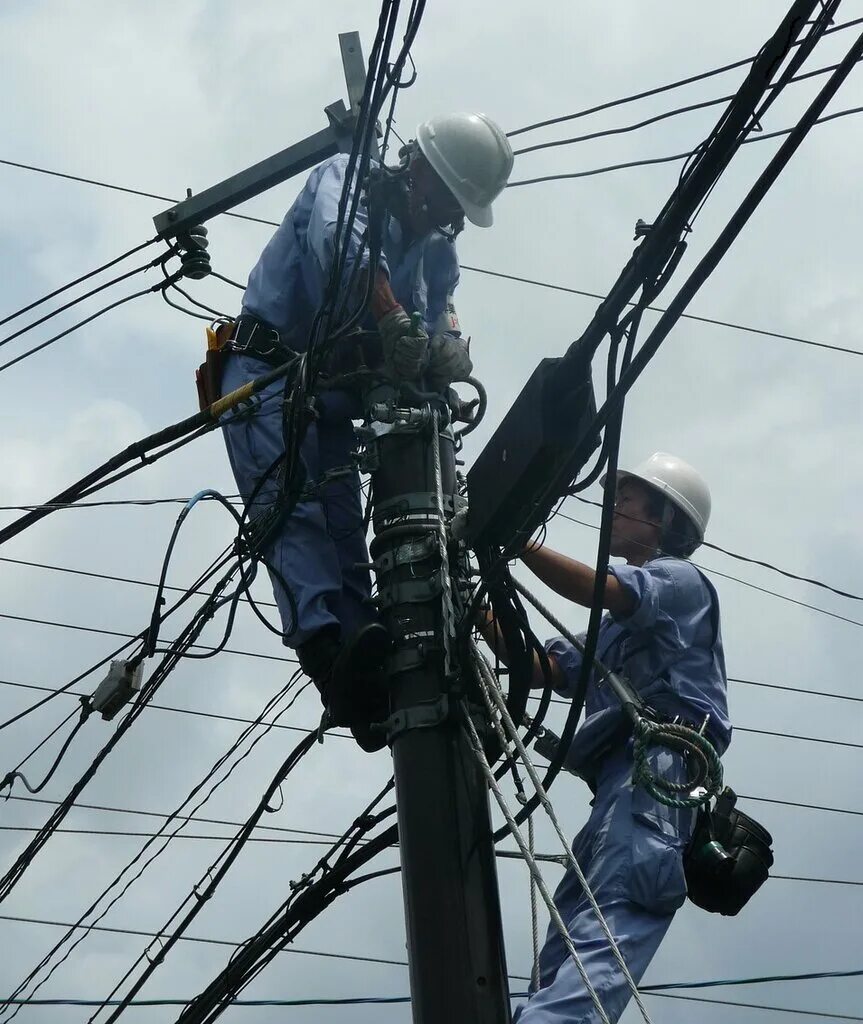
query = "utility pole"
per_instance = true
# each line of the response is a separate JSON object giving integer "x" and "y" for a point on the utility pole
{"x": 452, "y": 907}
{"x": 449, "y": 878}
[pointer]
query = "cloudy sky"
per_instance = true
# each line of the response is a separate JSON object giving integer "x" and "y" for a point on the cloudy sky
{"x": 160, "y": 97}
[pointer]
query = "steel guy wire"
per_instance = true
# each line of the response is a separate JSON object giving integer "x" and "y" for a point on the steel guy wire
{"x": 508, "y": 734}
{"x": 557, "y": 920}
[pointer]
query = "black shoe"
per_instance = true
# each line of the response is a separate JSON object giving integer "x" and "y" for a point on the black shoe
{"x": 318, "y": 654}
{"x": 358, "y": 694}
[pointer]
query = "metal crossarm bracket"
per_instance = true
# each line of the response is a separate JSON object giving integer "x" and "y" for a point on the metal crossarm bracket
{"x": 302, "y": 156}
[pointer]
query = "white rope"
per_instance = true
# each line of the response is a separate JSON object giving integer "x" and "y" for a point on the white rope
{"x": 471, "y": 732}
{"x": 494, "y": 698}
{"x": 534, "y": 919}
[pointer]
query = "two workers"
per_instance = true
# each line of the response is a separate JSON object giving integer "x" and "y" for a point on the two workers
{"x": 662, "y": 623}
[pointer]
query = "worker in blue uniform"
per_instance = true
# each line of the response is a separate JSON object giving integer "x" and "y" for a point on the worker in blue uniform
{"x": 455, "y": 168}
{"x": 661, "y": 631}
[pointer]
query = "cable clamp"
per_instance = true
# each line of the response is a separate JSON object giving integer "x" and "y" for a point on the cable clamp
{"x": 425, "y": 715}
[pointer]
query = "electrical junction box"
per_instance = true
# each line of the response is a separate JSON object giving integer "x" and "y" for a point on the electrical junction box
{"x": 536, "y": 452}
{"x": 117, "y": 688}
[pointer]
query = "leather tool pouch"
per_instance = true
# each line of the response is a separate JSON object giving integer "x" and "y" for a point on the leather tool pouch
{"x": 208, "y": 376}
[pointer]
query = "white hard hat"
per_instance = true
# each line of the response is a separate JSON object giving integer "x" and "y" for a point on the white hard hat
{"x": 682, "y": 485}
{"x": 472, "y": 157}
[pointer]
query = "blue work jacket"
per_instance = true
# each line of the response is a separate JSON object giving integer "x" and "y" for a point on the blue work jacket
{"x": 669, "y": 648}
{"x": 287, "y": 284}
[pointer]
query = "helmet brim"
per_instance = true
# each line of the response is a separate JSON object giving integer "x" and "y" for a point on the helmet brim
{"x": 481, "y": 216}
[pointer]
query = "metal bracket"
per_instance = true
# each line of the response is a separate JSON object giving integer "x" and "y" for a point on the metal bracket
{"x": 410, "y": 591}
{"x": 273, "y": 170}
{"x": 424, "y": 502}
{"x": 420, "y": 716}
{"x": 417, "y": 550}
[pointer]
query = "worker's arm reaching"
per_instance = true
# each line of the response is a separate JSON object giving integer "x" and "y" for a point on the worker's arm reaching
{"x": 575, "y": 580}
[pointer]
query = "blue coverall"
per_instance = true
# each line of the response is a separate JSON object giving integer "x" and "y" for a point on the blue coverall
{"x": 630, "y": 850}
{"x": 318, "y": 547}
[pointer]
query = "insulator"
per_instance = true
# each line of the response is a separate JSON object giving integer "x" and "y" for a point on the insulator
{"x": 194, "y": 257}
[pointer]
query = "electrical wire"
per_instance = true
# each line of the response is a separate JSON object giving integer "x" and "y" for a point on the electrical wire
{"x": 656, "y": 118}
{"x": 663, "y": 309}
{"x": 78, "y": 280}
{"x": 81, "y": 323}
{"x": 700, "y": 77}
{"x": 743, "y": 558}
{"x": 81, "y": 298}
{"x": 123, "y": 881}
{"x": 676, "y": 157}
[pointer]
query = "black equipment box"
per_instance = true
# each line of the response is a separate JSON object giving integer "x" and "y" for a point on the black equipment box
{"x": 535, "y": 453}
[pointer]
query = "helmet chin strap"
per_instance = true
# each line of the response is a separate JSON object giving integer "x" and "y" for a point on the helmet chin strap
{"x": 665, "y": 524}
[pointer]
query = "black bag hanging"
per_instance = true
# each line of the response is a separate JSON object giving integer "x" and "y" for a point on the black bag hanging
{"x": 728, "y": 858}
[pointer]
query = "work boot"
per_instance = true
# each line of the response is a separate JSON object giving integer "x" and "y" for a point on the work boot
{"x": 317, "y": 655}
{"x": 358, "y": 685}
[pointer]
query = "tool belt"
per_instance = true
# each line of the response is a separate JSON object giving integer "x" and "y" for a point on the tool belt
{"x": 728, "y": 858}
{"x": 247, "y": 335}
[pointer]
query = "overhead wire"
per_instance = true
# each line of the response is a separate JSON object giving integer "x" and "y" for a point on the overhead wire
{"x": 672, "y": 158}
{"x": 124, "y": 880}
{"x": 656, "y": 118}
{"x": 78, "y": 280}
{"x": 656, "y": 90}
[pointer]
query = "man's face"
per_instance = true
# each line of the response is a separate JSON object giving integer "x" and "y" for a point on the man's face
{"x": 431, "y": 204}
{"x": 634, "y": 532}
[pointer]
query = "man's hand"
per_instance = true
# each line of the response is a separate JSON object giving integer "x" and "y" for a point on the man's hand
{"x": 405, "y": 346}
{"x": 449, "y": 360}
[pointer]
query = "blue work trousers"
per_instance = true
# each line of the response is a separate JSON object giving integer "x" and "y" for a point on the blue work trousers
{"x": 320, "y": 548}
{"x": 630, "y": 852}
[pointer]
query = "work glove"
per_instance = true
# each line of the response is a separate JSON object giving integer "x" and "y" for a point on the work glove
{"x": 405, "y": 345}
{"x": 449, "y": 360}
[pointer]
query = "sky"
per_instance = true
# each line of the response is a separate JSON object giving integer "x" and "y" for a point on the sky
{"x": 161, "y": 97}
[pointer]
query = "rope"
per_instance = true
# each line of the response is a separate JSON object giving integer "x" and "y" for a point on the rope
{"x": 557, "y": 920}
{"x": 493, "y": 697}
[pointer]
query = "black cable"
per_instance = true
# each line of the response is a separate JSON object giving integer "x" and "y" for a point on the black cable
{"x": 120, "y": 188}
{"x": 663, "y": 88}
{"x": 197, "y": 819}
{"x": 169, "y": 661}
{"x": 210, "y": 882}
{"x": 79, "y": 299}
{"x": 752, "y": 561}
{"x": 676, "y": 156}
{"x": 81, "y": 323}
{"x": 227, "y": 280}
{"x": 78, "y": 280}
{"x": 139, "y": 858}
{"x": 625, "y": 129}
{"x": 757, "y": 1006}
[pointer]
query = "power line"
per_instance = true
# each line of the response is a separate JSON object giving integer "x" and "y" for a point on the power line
{"x": 81, "y": 323}
{"x": 753, "y": 561}
{"x": 120, "y": 188}
{"x": 745, "y": 583}
{"x": 656, "y": 118}
{"x": 183, "y": 835}
{"x": 179, "y": 711}
{"x": 676, "y": 157}
{"x": 476, "y": 270}
{"x": 78, "y": 280}
{"x": 114, "y": 579}
{"x": 662, "y": 309}
{"x": 179, "y": 817}
{"x": 134, "y": 636}
{"x": 756, "y": 1006}
{"x": 661, "y": 88}
{"x": 208, "y": 941}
